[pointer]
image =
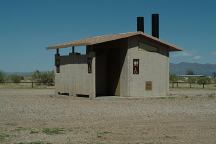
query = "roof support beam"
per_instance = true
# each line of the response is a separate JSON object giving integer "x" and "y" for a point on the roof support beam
{"x": 57, "y": 51}
{"x": 73, "y": 49}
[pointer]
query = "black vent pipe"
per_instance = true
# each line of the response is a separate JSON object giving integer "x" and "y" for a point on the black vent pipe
{"x": 155, "y": 25}
{"x": 140, "y": 24}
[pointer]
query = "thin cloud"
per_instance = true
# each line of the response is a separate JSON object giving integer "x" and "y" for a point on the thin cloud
{"x": 196, "y": 57}
{"x": 191, "y": 56}
{"x": 213, "y": 53}
{"x": 182, "y": 54}
{"x": 186, "y": 54}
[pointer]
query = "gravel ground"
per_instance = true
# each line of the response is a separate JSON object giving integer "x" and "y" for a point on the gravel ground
{"x": 36, "y": 116}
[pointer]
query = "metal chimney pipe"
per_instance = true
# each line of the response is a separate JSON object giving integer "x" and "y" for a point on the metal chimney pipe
{"x": 140, "y": 24}
{"x": 155, "y": 25}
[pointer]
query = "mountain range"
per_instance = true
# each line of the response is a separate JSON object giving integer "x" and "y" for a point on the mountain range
{"x": 197, "y": 68}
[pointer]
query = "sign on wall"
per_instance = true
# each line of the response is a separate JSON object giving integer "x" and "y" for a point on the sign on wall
{"x": 135, "y": 66}
{"x": 148, "y": 85}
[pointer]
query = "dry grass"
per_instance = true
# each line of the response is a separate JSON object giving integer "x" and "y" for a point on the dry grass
{"x": 53, "y": 131}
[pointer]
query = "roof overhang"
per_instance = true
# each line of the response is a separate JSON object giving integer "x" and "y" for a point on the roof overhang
{"x": 107, "y": 38}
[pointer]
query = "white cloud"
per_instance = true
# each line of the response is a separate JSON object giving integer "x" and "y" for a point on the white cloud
{"x": 186, "y": 54}
{"x": 182, "y": 54}
{"x": 213, "y": 53}
{"x": 196, "y": 57}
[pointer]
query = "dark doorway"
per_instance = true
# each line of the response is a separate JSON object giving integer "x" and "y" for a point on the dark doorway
{"x": 108, "y": 71}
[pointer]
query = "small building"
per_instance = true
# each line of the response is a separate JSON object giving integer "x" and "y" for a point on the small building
{"x": 125, "y": 64}
{"x": 186, "y": 77}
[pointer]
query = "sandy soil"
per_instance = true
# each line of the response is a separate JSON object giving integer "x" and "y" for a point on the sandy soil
{"x": 187, "y": 118}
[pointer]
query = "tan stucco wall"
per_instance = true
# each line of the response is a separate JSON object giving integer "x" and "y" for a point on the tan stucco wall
{"x": 153, "y": 66}
{"x": 74, "y": 77}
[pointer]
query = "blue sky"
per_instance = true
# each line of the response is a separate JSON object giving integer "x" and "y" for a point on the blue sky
{"x": 27, "y": 27}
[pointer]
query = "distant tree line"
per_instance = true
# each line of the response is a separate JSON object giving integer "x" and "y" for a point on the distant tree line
{"x": 37, "y": 76}
{"x": 2, "y": 76}
{"x": 10, "y": 78}
{"x": 198, "y": 80}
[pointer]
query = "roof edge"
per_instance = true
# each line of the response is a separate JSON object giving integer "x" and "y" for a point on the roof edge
{"x": 107, "y": 38}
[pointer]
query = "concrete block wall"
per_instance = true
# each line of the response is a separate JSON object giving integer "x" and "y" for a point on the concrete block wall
{"x": 74, "y": 78}
{"x": 153, "y": 66}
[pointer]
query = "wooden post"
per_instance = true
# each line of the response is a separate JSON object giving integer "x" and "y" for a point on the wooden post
{"x": 177, "y": 84}
{"x": 57, "y": 61}
{"x": 203, "y": 85}
{"x": 73, "y": 51}
{"x": 32, "y": 84}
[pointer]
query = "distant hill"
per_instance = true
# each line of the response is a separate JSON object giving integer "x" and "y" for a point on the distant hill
{"x": 202, "y": 69}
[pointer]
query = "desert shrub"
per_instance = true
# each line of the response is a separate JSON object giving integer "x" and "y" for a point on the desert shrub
{"x": 191, "y": 80}
{"x": 52, "y": 131}
{"x": 15, "y": 78}
{"x": 34, "y": 130}
{"x": 173, "y": 78}
{"x": 214, "y": 80}
{"x": 47, "y": 77}
{"x": 36, "y": 75}
{"x": 2, "y": 76}
{"x": 3, "y": 137}
{"x": 43, "y": 77}
{"x": 203, "y": 80}
{"x": 34, "y": 142}
{"x": 102, "y": 134}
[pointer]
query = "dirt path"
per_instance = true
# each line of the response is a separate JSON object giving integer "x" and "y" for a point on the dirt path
{"x": 38, "y": 116}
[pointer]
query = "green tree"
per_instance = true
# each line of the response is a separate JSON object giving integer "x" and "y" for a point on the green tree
{"x": 2, "y": 76}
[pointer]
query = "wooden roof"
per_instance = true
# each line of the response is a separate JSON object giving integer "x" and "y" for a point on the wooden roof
{"x": 107, "y": 38}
